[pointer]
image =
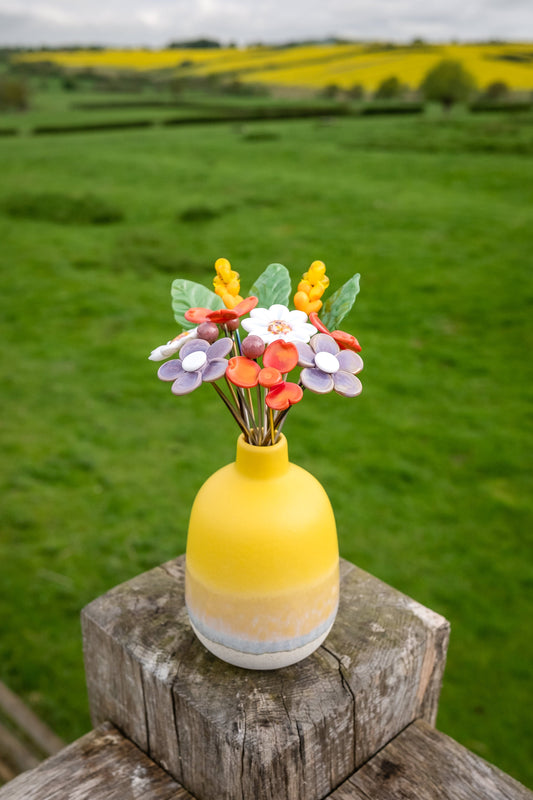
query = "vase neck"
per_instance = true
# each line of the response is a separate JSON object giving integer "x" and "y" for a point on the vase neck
{"x": 262, "y": 462}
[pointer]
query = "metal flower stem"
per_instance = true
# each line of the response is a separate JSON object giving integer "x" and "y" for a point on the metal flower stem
{"x": 253, "y": 417}
{"x": 260, "y": 414}
{"x": 237, "y": 417}
{"x": 272, "y": 429}
{"x": 280, "y": 419}
{"x": 237, "y": 399}
{"x": 235, "y": 340}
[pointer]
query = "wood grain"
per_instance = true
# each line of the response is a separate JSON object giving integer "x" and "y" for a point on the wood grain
{"x": 232, "y": 734}
{"x": 423, "y": 764}
{"x": 100, "y": 766}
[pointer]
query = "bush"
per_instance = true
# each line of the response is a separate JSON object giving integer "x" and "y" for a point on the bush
{"x": 497, "y": 90}
{"x": 199, "y": 213}
{"x": 376, "y": 109}
{"x": 389, "y": 89}
{"x": 448, "y": 82}
{"x": 13, "y": 94}
{"x": 69, "y": 84}
{"x": 88, "y": 127}
{"x": 65, "y": 209}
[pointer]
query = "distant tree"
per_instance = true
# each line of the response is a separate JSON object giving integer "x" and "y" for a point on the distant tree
{"x": 195, "y": 44}
{"x": 356, "y": 92}
{"x": 497, "y": 90}
{"x": 448, "y": 82}
{"x": 330, "y": 92}
{"x": 388, "y": 89}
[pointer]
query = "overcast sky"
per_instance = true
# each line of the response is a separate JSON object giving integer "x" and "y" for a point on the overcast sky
{"x": 156, "y": 22}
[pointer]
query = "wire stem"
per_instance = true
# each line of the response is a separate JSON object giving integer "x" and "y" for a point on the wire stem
{"x": 237, "y": 417}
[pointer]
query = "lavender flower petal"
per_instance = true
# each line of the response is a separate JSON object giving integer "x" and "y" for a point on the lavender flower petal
{"x": 306, "y": 356}
{"x": 350, "y": 361}
{"x": 214, "y": 370}
{"x": 220, "y": 348}
{"x": 192, "y": 346}
{"x": 186, "y": 382}
{"x": 170, "y": 370}
{"x": 316, "y": 380}
{"x": 346, "y": 384}
{"x": 322, "y": 343}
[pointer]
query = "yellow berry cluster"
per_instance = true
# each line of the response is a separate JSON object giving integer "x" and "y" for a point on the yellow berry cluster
{"x": 311, "y": 288}
{"x": 227, "y": 283}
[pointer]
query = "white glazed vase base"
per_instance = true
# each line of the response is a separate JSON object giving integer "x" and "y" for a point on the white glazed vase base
{"x": 262, "y": 661}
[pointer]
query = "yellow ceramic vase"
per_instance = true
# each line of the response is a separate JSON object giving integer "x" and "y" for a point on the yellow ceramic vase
{"x": 262, "y": 577}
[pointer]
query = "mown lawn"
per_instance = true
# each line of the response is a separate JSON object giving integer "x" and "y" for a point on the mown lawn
{"x": 428, "y": 471}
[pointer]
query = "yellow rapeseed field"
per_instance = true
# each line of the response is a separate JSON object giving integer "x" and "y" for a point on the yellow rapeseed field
{"x": 317, "y": 66}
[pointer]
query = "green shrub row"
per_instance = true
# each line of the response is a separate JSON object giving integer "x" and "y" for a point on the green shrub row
{"x": 96, "y": 126}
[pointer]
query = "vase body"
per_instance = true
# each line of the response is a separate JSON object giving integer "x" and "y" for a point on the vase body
{"x": 262, "y": 566}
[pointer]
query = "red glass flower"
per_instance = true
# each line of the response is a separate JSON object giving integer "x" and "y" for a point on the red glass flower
{"x": 221, "y": 315}
{"x": 345, "y": 340}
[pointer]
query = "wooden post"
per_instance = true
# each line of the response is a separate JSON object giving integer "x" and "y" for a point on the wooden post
{"x": 227, "y": 733}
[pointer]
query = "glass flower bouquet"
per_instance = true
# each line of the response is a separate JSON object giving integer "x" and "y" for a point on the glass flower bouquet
{"x": 256, "y": 365}
{"x": 262, "y": 557}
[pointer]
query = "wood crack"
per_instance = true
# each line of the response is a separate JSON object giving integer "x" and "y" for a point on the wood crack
{"x": 176, "y": 728}
{"x": 243, "y": 794}
{"x": 146, "y": 721}
{"x": 293, "y": 723}
{"x": 348, "y": 688}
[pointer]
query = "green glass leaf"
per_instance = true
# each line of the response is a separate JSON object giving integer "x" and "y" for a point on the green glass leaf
{"x": 188, "y": 294}
{"x": 340, "y": 303}
{"x": 273, "y": 286}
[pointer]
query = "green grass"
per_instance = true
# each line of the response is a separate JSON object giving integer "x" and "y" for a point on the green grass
{"x": 428, "y": 471}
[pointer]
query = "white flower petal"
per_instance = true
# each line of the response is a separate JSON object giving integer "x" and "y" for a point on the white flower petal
{"x": 159, "y": 353}
{"x": 249, "y": 324}
{"x": 296, "y": 317}
{"x": 278, "y": 311}
{"x": 261, "y": 314}
{"x": 172, "y": 347}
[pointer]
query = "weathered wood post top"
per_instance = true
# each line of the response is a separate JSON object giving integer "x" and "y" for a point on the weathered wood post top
{"x": 227, "y": 733}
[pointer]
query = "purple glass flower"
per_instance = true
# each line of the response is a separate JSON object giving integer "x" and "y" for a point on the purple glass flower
{"x": 327, "y": 367}
{"x": 199, "y": 362}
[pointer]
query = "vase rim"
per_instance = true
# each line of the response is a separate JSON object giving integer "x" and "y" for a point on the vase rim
{"x": 282, "y": 442}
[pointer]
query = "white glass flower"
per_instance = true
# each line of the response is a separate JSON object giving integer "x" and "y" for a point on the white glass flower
{"x": 168, "y": 349}
{"x": 277, "y": 322}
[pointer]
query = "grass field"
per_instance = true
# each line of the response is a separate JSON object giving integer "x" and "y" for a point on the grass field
{"x": 318, "y": 65}
{"x": 428, "y": 471}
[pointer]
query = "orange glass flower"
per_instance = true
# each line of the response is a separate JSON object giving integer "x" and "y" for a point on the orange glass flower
{"x": 269, "y": 377}
{"x": 243, "y": 372}
{"x": 282, "y": 355}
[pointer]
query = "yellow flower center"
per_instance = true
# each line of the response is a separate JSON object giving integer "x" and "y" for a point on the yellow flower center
{"x": 279, "y": 326}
